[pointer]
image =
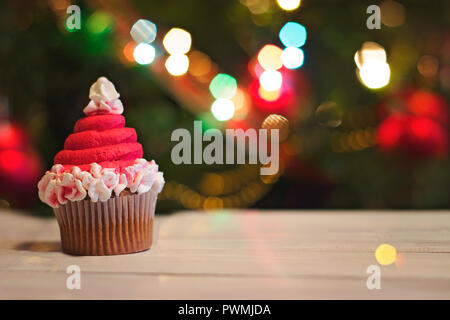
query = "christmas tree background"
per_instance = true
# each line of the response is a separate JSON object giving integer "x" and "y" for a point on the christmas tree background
{"x": 335, "y": 155}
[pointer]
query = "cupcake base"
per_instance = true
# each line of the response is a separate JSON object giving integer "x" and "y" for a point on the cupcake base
{"x": 119, "y": 225}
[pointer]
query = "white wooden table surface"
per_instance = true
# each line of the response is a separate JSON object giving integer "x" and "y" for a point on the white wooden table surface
{"x": 239, "y": 255}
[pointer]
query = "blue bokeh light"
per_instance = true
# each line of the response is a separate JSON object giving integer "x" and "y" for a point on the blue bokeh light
{"x": 293, "y": 34}
{"x": 143, "y": 31}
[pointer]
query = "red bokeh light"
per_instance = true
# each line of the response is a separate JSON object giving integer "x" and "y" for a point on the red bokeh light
{"x": 11, "y": 137}
{"x": 415, "y": 123}
{"x": 419, "y": 136}
{"x": 427, "y": 104}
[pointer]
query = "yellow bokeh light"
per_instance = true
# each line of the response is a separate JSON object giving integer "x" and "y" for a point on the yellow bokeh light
{"x": 241, "y": 103}
{"x": 385, "y": 254}
{"x": 177, "y": 41}
{"x": 177, "y": 64}
{"x": 269, "y": 57}
{"x": 289, "y": 5}
{"x": 269, "y": 95}
{"x": 200, "y": 64}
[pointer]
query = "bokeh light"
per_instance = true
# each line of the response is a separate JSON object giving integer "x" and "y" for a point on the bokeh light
{"x": 241, "y": 102}
{"x": 269, "y": 95}
{"x": 223, "y": 86}
{"x": 370, "y": 51}
{"x": 271, "y": 80}
{"x": 373, "y": 70}
{"x": 428, "y": 66}
{"x": 293, "y": 34}
{"x": 392, "y": 13}
{"x": 385, "y": 254}
{"x": 99, "y": 22}
{"x": 128, "y": 51}
{"x": 199, "y": 64}
{"x": 276, "y": 121}
{"x": 177, "y": 64}
{"x": 329, "y": 114}
{"x": 289, "y": 5}
{"x": 143, "y": 31}
{"x": 222, "y": 109}
{"x": 177, "y": 41}
{"x": 144, "y": 53}
{"x": 375, "y": 74}
{"x": 257, "y": 7}
{"x": 292, "y": 57}
{"x": 269, "y": 57}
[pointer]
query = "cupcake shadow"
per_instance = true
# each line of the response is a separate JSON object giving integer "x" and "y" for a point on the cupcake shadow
{"x": 39, "y": 246}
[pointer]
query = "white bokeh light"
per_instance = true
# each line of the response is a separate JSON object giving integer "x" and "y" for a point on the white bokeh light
{"x": 288, "y": 5}
{"x": 292, "y": 57}
{"x": 223, "y": 109}
{"x": 375, "y": 74}
{"x": 177, "y": 64}
{"x": 177, "y": 41}
{"x": 271, "y": 80}
{"x": 144, "y": 53}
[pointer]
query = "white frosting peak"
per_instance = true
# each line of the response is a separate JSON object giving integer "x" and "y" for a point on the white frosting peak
{"x": 103, "y": 89}
{"x": 104, "y": 98}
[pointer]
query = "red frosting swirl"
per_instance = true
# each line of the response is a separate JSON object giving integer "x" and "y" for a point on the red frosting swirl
{"x": 100, "y": 138}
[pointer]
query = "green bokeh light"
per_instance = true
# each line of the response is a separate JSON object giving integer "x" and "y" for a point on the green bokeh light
{"x": 223, "y": 86}
{"x": 99, "y": 22}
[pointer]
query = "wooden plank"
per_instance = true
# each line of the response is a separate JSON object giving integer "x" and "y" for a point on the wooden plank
{"x": 313, "y": 254}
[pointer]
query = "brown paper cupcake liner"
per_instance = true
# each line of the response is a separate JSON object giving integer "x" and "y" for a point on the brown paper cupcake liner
{"x": 119, "y": 225}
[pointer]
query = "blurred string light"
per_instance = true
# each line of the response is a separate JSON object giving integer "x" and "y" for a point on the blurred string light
{"x": 292, "y": 57}
{"x": 289, "y": 5}
{"x": 99, "y": 22}
{"x": 373, "y": 70}
{"x": 293, "y": 34}
{"x": 222, "y": 109}
{"x": 144, "y": 53}
{"x": 271, "y": 80}
{"x": 223, "y": 86}
{"x": 177, "y": 43}
{"x": 266, "y": 66}
{"x": 269, "y": 57}
{"x": 143, "y": 31}
{"x": 238, "y": 187}
{"x": 177, "y": 64}
{"x": 355, "y": 140}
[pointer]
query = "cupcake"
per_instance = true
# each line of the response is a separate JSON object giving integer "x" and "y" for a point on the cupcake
{"x": 102, "y": 191}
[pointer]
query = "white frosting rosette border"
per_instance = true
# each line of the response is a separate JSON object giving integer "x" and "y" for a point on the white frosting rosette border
{"x": 57, "y": 186}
